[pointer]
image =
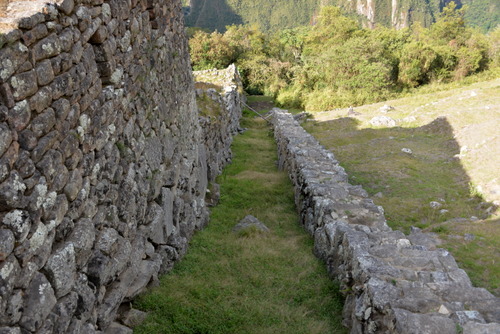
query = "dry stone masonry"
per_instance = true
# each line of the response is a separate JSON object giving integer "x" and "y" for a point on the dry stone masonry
{"x": 393, "y": 283}
{"x": 219, "y": 95}
{"x": 103, "y": 161}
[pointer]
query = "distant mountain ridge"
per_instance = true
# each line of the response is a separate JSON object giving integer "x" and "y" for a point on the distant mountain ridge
{"x": 272, "y": 15}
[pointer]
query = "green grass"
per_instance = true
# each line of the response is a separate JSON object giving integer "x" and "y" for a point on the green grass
{"x": 247, "y": 282}
{"x": 405, "y": 184}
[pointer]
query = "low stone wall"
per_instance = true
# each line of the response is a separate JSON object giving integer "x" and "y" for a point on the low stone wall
{"x": 392, "y": 283}
{"x": 219, "y": 94}
{"x": 103, "y": 165}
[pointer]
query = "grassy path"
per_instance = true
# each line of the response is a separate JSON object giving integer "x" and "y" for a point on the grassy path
{"x": 248, "y": 282}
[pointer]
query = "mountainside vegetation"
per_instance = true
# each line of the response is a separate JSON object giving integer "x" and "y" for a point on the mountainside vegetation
{"x": 274, "y": 15}
{"x": 336, "y": 63}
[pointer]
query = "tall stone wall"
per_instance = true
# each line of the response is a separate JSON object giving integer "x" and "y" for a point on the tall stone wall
{"x": 103, "y": 167}
{"x": 393, "y": 283}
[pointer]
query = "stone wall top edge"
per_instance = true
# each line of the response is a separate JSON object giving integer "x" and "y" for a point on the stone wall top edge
{"x": 363, "y": 244}
{"x": 18, "y": 16}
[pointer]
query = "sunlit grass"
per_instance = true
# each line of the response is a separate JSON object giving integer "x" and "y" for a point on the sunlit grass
{"x": 437, "y": 170}
{"x": 247, "y": 282}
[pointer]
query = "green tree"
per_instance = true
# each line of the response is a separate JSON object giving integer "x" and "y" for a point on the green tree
{"x": 417, "y": 61}
{"x": 331, "y": 28}
{"x": 211, "y": 51}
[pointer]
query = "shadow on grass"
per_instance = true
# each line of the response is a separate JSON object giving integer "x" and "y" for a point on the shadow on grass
{"x": 426, "y": 186}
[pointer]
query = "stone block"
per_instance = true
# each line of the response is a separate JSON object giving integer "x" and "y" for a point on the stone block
{"x": 146, "y": 270}
{"x": 41, "y": 99}
{"x": 43, "y": 123}
{"x": 27, "y": 140}
{"x": 99, "y": 36}
{"x": 100, "y": 269}
{"x": 19, "y": 223}
{"x": 103, "y": 52}
{"x": 14, "y": 308}
{"x": 47, "y": 47}
{"x": 63, "y": 312}
{"x": 82, "y": 237}
{"x": 9, "y": 273}
{"x": 86, "y": 297}
{"x": 66, "y": 6}
{"x": 6, "y": 96}
{"x": 61, "y": 269}
{"x": 39, "y": 300}
{"x": 24, "y": 165}
{"x": 12, "y": 193}
{"x": 62, "y": 85}
{"x": 66, "y": 39}
{"x": 7, "y": 241}
{"x": 133, "y": 317}
{"x": 10, "y": 330}
{"x": 74, "y": 184}
{"x": 11, "y": 58}
{"x": 5, "y": 138}
{"x": 45, "y": 73}
{"x": 167, "y": 199}
{"x": 38, "y": 32}
{"x": 478, "y": 328}
{"x": 20, "y": 115}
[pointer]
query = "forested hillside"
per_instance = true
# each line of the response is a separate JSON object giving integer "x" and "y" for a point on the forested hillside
{"x": 273, "y": 15}
{"x": 337, "y": 63}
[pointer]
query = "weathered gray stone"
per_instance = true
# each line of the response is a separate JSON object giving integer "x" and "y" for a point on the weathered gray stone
{"x": 86, "y": 297}
{"x": 9, "y": 273}
{"x": 74, "y": 184}
{"x": 250, "y": 222}
{"x": 38, "y": 302}
{"x": 37, "y": 248}
{"x": 399, "y": 284}
{"x": 66, "y": 6}
{"x": 44, "y": 122}
{"x": 41, "y": 99}
{"x": 167, "y": 199}
{"x": 14, "y": 308}
{"x": 146, "y": 270}
{"x": 12, "y": 193}
{"x": 23, "y": 85}
{"x": 11, "y": 58}
{"x": 6, "y": 96}
{"x": 383, "y": 121}
{"x": 44, "y": 144}
{"x": 477, "y": 328}
{"x": 47, "y": 47}
{"x": 5, "y": 138}
{"x": 7, "y": 241}
{"x": 10, "y": 330}
{"x": 61, "y": 270}
{"x": 44, "y": 72}
{"x": 407, "y": 322}
{"x": 89, "y": 174}
{"x": 100, "y": 269}
{"x": 155, "y": 230}
{"x": 213, "y": 194}
{"x": 38, "y": 32}
{"x": 19, "y": 116}
{"x": 63, "y": 312}
{"x": 133, "y": 317}
{"x": 116, "y": 328}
